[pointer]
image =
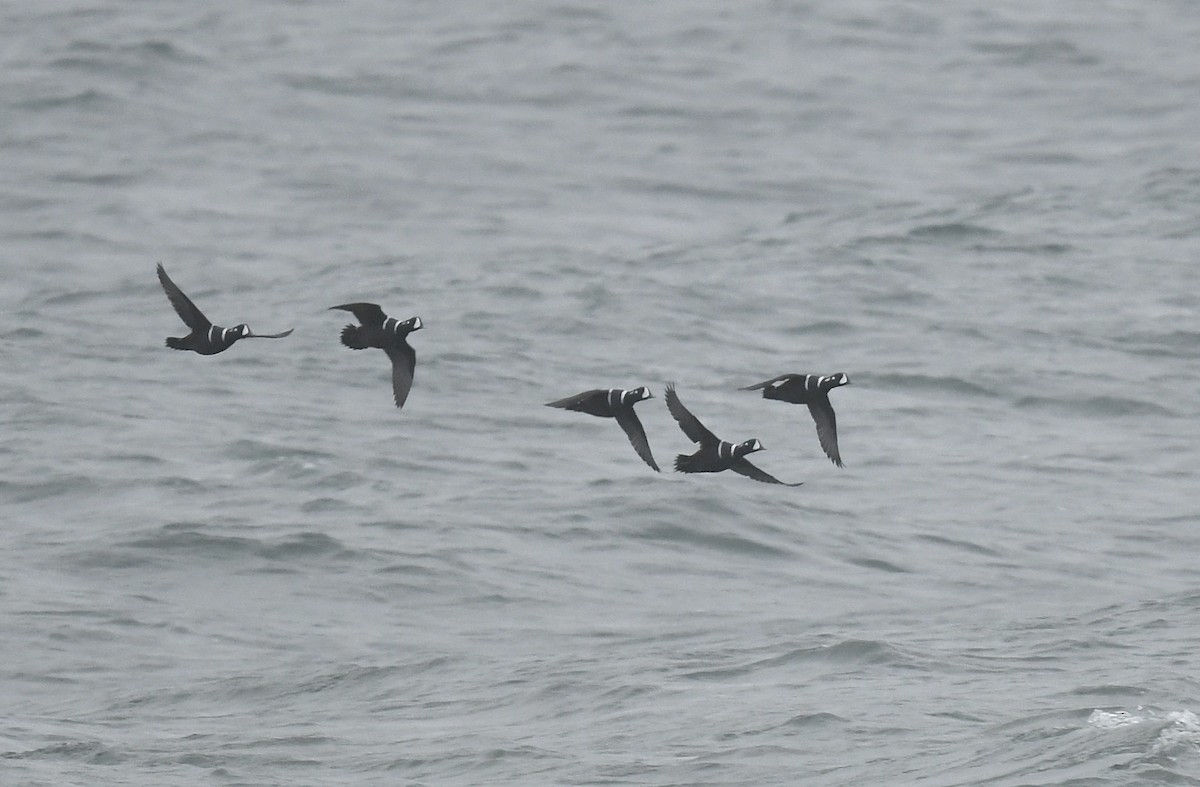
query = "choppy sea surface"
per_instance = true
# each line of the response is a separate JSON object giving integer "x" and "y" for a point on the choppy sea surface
{"x": 251, "y": 569}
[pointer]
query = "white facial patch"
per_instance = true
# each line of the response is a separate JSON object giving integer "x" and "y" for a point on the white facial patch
{"x": 416, "y": 321}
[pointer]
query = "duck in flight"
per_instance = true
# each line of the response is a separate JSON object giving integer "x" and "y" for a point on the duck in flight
{"x": 618, "y": 404}
{"x": 388, "y": 334}
{"x": 714, "y": 454}
{"x": 205, "y": 338}
{"x": 812, "y": 390}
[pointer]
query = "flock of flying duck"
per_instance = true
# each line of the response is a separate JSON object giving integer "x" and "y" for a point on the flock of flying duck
{"x": 376, "y": 329}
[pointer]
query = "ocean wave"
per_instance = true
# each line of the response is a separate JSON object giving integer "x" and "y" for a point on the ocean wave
{"x": 192, "y": 543}
{"x": 845, "y": 654}
{"x": 1095, "y": 406}
{"x": 1163, "y": 344}
{"x": 89, "y": 98}
{"x": 728, "y": 542}
{"x": 52, "y": 487}
{"x": 91, "y": 752}
{"x": 926, "y": 383}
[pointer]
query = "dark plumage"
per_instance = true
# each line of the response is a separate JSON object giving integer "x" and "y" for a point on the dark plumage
{"x": 205, "y": 338}
{"x": 389, "y": 335}
{"x": 812, "y": 390}
{"x": 614, "y": 403}
{"x": 714, "y": 454}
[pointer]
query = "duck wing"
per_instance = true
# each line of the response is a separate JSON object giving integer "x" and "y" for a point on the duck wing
{"x": 628, "y": 420}
{"x": 690, "y": 424}
{"x": 744, "y": 467}
{"x": 187, "y": 311}
{"x": 765, "y": 383}
{"x": 288, "y": 332}
{"x": 826, "y": 420}
{"x": 580, "y": 401}
{"x": 404, "y": 363}
{"x": 367, "y": 313}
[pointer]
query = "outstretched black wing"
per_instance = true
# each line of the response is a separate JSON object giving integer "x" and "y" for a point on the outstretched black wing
{"x": 288, "y": 332}
{"x": 592, "y": 402}
{"x": 187, "y": 311}
{"x": 404, "y": 362}
{"x": 690, "y": 424}
{"x": 367, "y": 313}
{"x": 744, "y": 467}
{"x": 826, "y": 420}
{"x": 765, "y": 383}
{"x": 628, "y": 420}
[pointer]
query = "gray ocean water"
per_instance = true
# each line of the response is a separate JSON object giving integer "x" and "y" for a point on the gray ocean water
{"x": 251, "y": 569}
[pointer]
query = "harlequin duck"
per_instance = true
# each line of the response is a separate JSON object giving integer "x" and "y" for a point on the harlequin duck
{"x": 714, "y": 454}
{"x": 389, "y": 335}
{"x": 614, "y": 403}
{"x": 812, "y": 390}
{"x": 205, "y": 338}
